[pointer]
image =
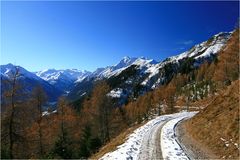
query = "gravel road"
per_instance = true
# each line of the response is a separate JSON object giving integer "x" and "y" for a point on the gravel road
{"x": 151, "y": 145}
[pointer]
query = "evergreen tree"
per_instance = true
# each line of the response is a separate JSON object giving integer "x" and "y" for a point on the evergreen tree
{"x": 63, "y": 147}
{"x": 88, "y": 144}
{"x": 84, "y": 151}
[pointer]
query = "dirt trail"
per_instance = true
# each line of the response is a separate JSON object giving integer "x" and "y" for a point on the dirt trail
{"x": 151, "y": 145}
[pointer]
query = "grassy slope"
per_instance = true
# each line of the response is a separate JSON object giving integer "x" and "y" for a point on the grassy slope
{"x": 220, "y": 119}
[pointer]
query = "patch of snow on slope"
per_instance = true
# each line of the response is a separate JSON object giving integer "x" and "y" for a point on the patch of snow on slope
{"x": 115, "y": 72}
{"x": 46, "y": 113}
{"x": 153, "y": 70}
{"x": 211, "y": 50}
{"x": 116, "y": 93}
{"x": 130, "y": 149}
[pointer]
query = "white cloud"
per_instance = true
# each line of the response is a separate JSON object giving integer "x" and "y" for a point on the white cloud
{"x": 186, "y": 42}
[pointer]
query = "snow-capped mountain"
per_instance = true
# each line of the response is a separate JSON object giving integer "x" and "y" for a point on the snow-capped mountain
{"x": 63, "y": 79}
{"x": 28, "y": 80}
{"x": 8, "y": 69}
{"x": 134, "y": 76}
{"x": 117, "y": 70}
{"x": 206, "y": 48}
{"x": 114, "y": 70}
{"x": 198, "y": 53}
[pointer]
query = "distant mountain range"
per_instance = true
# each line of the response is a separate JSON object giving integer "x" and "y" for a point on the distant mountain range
{"x": 28, "y": 81}
{"x": 63, "y": 79}
{"x": 128, "y": 79}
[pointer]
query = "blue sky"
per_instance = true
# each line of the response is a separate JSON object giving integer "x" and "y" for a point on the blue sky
{"x": 88, "y": 35}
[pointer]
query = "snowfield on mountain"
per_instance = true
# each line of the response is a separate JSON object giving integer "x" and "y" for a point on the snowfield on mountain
{"x": 143, "y": 143}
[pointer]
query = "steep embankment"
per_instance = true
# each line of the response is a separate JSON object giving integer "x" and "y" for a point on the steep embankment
{"x": 217, "y": 126}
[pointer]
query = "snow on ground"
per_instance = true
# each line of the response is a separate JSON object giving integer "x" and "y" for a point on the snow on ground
{"x": 116, "y": 93}
{"x": 46, "y": 113}
{"x": 171, "y": 149}
{"x": 130, "y": 149}
{"x": 230, "y": 142}
{"x": 211, "y": 50}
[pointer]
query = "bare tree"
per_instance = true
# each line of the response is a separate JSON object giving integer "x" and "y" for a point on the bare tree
{"x": 10, "y": 99}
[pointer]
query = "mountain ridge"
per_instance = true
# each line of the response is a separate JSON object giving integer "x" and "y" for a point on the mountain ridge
{"x": 63, "y": 79}
{"x": 144, "y": 74}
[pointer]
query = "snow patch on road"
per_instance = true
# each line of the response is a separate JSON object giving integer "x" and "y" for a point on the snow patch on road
{"x": 171, "y": 149}
{"x": 130, "y": 149}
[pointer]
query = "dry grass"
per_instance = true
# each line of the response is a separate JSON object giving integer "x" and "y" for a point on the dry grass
{"x": 220, "y": 119}
{"x": 112, "y": 145}
{"x": 203, "y": 103}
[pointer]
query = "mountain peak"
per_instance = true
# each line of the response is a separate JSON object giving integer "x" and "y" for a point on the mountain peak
{"x": 126, "y": 61}
{"x": 126, "y": 58}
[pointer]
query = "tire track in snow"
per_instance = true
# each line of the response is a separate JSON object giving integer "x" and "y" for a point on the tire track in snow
{"x": 151, "y": 148}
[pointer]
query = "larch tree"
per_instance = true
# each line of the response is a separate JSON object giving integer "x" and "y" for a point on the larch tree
{"x": 170, "y": 93}
{"x": 227, "y": 67}
{"x": 39, "y": 99}
{"x": 63, "y": 145}
{"x": 158, "y": 96}
{"x": 103, "y": 107}
{"x": 12, "y": 127}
